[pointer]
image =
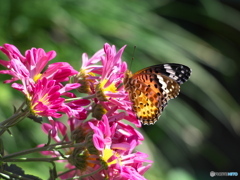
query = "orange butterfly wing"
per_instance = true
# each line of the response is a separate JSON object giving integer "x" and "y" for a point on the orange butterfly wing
{"x": 151, "y": 88}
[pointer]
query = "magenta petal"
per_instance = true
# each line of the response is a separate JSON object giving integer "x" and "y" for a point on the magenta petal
{"x": 143, "y": 169}
{"x": 121, "y": 146}
{"x": 69, "y": 94}
{"x": 51, "y": 54}
{"x": 11, "y": 51}
{"x": 62, "y": 128}
{"x": 18, "y": 87}
{"x": 69, "y": 87}
{"x": 4, "y": 63}
{"x": 81, "y": 102}
{"x": 98, "y": 142}
{"x": 46, "y": 127}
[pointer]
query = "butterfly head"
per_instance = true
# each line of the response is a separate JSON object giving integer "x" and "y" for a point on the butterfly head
{"x": 127, "y": 76}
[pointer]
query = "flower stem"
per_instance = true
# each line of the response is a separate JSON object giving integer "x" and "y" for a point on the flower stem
{"x": 86, "y": 97}
{"x": 35, "y": 159}
{"x": 14, "y": 119}
{"x": 9, "y": 175}
{"x": 44, "y": 148}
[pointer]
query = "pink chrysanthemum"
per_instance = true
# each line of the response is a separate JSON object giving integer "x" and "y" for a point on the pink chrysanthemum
{"x": 116, "y": 151}
{"x": 44, "y": 97}
{"x": 43, "y": 89}
{"x": 80, "y": 160}
{"x": 106, "y": 146}
{"x": 104, "y": 81}
{"x": 30, "y": 67}
{"x": 89, "y": 72}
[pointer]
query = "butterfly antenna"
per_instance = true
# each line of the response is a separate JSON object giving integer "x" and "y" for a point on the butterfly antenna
{"x": 134, "y": 48}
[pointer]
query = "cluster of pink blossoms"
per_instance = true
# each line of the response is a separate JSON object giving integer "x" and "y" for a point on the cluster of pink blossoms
{"x": 105, "y": 143}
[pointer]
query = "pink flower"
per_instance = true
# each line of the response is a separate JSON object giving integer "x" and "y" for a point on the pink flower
{"x": 90, "y": 65}
{"x": 116, "y": 150}
{"x": 43, "y": 89}
{"x": 77, "y": 110}
{"x": 112, "y": 73}
{"x": 60, "y": 71}
{"x": 30, "y": 67}
{"x": 80, "y": 133}
{"x": 105, "y": 82}
{"x": 89, "y": 72}
{"x": 44, "y": 97}
{"x": 104, "y": 146}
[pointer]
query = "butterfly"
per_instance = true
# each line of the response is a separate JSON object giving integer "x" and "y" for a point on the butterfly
{"x": 151, "y": 88}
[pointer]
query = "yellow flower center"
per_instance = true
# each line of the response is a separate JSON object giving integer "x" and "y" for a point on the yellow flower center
{"x": 100, "y": 89}
{"x": 111, "y": 87}
{"x": 44, "y": 100}
{"x": 107, "y": 154}
{"x": 37, "y": 77}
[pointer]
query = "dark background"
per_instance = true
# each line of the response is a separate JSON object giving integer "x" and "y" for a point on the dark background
{"x": 199, "y": 131}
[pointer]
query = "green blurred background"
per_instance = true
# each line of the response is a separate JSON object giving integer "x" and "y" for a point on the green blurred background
{"x": 199, "y": 131}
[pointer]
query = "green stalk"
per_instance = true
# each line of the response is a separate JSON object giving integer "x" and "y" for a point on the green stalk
{"x": 35, "y": 159}
{"x": 14, "y": 119}
{"x": 44, "y": 148}
{"x": 9, "y": 175}
{"x": 87, "y": 97}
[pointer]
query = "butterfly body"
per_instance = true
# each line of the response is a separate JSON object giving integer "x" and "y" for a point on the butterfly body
{"x": 151, "y": 88}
